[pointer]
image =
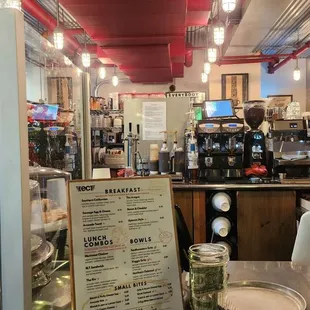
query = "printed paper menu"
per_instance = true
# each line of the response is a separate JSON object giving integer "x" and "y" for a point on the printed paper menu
{"x": 123, "y": 245}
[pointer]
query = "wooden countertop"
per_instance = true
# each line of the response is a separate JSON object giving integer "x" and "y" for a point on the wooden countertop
{"x": 243, "y": 186}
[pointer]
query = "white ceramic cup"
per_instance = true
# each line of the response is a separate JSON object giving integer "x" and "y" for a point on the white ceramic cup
{"x": 221, "y": 226}
{"x": 221, "y": 202}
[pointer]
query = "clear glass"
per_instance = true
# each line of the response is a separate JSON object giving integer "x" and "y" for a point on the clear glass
{"x": 208, "y": 275}
{"x": 54, "y": 101}
{"x": 254, "y": 113}
{"x": 55, "y": 118}
{"x": 41, "y": 249}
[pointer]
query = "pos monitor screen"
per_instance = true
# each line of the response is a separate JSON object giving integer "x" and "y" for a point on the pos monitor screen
{"x": 218, "y": 108}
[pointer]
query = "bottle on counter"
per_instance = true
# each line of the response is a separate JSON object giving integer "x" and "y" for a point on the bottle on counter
{"x": 154, "y": 157}
{"x": 192, "y": 159}
{"x": 172, "y": 153}
{"x": 164, "y": 156}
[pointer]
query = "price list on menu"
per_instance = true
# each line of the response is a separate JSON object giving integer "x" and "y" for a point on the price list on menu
{"x": 123, "y": 245}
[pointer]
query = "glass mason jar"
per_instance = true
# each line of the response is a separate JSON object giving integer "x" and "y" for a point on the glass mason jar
{"x": 208, "y": 275}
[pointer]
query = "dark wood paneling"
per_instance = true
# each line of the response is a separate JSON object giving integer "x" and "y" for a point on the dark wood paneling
{"x": 266, "y": 225}
{"x": 199, "y": 207}
{"x": 185, "y": 201}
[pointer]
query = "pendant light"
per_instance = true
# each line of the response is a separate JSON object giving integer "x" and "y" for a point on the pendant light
{"x": 297, "y": 73}
{"x": 229, "y": 5}
{"x": 58, "y": 33}
{"x": 207, "y": 67}
{"x": 219, "y": 33}
{"x": 85, "y": 55}
{"x": 102, "y": 73}
{"x": 78, "y": 71}
{"x": 212, "y": 54}
{"x": 67, "y": 61}
{"x": 115, "y": 78}
{"x": 204, "y": 77}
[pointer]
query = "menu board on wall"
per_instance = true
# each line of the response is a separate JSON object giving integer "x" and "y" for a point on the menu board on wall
{"x": 123, "y": 245}
{"x": 153, "y": 120}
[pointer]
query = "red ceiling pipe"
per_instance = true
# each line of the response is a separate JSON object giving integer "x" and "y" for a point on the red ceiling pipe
{"x": 254, "y": 56}
{"x": 188, "y": 58}
{"x": 45, "y": 18}
{"x": 273, "y": 69}
{"x": 73, "y": 31}
{"x": 36, "y": 10}
{"x": 243, "y": 61}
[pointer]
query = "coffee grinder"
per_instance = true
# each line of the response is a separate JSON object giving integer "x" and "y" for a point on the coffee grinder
{"x": 254, "y": 139}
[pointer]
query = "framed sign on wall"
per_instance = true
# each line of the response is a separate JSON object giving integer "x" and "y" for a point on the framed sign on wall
{"x": 235, "y": 86}
{"x": 280, "y": 100}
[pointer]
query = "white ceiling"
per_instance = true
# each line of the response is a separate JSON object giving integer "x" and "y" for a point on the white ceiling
{"x": 258, "y": 19}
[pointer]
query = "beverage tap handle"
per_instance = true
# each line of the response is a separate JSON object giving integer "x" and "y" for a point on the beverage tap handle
{"x": 130, "y": 127}
{"x": 138, "y": 129}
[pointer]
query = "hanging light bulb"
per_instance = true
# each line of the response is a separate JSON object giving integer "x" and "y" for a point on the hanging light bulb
{"x": 297, "y": 73}
{"x": 67, "y": 61}
{"x": 229, "y": 5}
{"x": 115, "y": 80}
{"x": 102, "y": 72}
{"x": 58, "y": 33}
{"x": 207, "y": 67}
{"x": 204, "y": 77}
{"x": 78, "y": 71}
{"x": 86, "y": 59}
{"x": 218, "y": 34}
{"x": 212, "y": 54}
{"x": 58, "y": 38}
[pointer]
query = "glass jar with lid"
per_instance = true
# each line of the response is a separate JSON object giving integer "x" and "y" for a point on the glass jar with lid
{"x": 208, "y": 276}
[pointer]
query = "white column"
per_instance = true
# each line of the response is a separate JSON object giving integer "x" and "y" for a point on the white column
{"x": 14, "y": 188}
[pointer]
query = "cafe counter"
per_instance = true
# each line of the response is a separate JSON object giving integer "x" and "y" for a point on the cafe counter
{"x": 262, "y": 217}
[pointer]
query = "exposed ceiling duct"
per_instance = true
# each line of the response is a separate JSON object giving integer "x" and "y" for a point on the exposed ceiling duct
{"x": 144, "y": 38}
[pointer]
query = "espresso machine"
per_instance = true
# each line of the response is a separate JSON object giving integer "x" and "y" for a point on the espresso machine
{"x": 288, "y": 146}
{"x": 254, "y": 139}
{"x": 220, "y": 149}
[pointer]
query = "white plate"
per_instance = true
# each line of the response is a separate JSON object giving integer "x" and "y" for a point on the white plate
{"x": 264, "y": 296}
{"x": 294, "y": 157}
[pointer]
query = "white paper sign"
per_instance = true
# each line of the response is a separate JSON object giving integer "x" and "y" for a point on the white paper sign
{"x": 153, "y": 120}
{"x": 123, "y": 249}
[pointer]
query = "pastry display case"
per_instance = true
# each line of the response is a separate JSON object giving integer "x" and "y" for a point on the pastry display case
{"x": 53, "y": 186}
{"x": 41, "y": 249}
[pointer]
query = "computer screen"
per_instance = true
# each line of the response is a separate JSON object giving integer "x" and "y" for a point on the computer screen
{"x": 218, "y": 108}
